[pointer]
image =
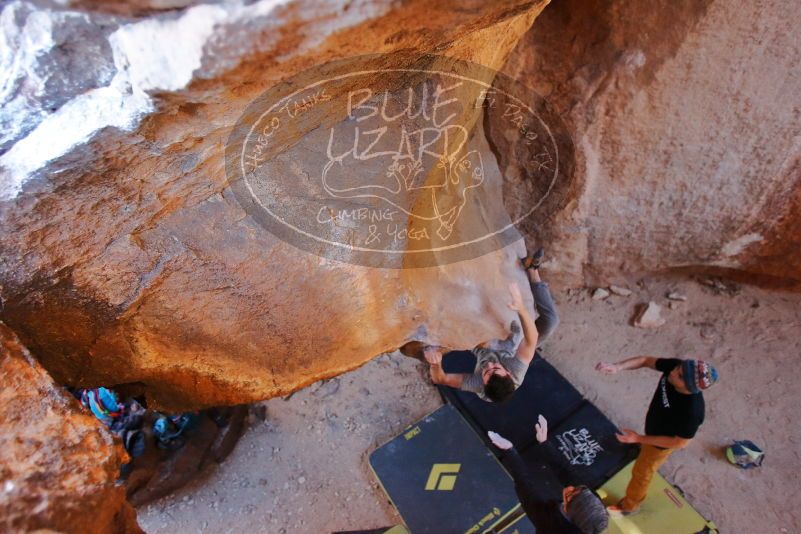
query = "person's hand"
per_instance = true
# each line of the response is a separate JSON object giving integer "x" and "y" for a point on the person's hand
{"x": 499, "y": 441}
{"x": 607, "y": 368}
{"x": 542, "y": 429}
{"x": 432, "y": 355}
{"x": 517, "y": 299}
{"x": 627, "y": 435}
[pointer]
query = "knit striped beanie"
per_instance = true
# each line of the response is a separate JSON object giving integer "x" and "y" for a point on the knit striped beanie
{"x": 698, "y": 375}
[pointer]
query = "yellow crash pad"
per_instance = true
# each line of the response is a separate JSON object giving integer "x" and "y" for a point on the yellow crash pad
{"x": 663, "y": 511}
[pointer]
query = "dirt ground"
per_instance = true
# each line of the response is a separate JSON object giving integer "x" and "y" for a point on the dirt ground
{"x": 304, "y": 469}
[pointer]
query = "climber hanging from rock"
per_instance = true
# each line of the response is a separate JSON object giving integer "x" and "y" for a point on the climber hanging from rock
{"x": 500, "y": 368}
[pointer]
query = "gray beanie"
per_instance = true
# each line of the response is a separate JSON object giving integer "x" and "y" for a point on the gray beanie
{"x": 587, "y": 512}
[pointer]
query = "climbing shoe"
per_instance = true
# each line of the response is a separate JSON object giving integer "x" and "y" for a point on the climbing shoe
{"x": 533, "y": 261}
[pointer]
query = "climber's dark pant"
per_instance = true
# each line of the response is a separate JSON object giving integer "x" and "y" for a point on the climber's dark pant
{"x": 547, "y": 319}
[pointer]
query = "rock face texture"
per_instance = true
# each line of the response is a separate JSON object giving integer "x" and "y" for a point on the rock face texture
{"x": 127, "y": 256}
{"x": 685, "y": 117}
{"x": 56, "y": 461}
{"x": 127, "y": 259}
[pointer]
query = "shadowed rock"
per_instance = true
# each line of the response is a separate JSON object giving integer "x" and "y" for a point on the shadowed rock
{"x": 687, "y": 137}
{"x": 58, "y": 464}
{"x": 160, "y": 472}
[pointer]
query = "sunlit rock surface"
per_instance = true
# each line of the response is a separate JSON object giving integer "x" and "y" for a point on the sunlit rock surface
{"x": 58, "y": 463}
{"x": 126, "y": 257}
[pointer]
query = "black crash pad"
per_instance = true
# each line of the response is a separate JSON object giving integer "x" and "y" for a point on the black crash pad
{"x": 543, "y": 391}
{"x": 541, "y": 468}
{"x": 582, "y": 449}
{"x": 442, "y": 478}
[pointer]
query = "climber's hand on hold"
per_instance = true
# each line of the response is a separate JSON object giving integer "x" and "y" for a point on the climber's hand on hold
{"x": 432, "y": 355}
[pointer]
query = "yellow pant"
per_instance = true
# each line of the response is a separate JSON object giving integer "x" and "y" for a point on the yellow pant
{"x": 649, "y": 460}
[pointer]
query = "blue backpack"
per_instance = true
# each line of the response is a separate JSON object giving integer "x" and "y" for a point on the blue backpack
{"x": 103, "y": 403}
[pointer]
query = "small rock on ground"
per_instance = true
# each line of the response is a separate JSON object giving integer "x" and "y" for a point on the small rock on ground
{"x": 620, "y": 291}
{"x": 650, "y": 316}
{"x": 599, "y": 293}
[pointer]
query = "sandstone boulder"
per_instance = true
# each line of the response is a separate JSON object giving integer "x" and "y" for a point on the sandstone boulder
{"x": 687, "y": 136}
{"x": 58, "y": 464}
{"x": 127, "y": 257}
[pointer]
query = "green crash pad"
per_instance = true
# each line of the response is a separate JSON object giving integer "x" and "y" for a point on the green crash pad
{"x": 664, "y": 511}
{"x": 442, "y": 479}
